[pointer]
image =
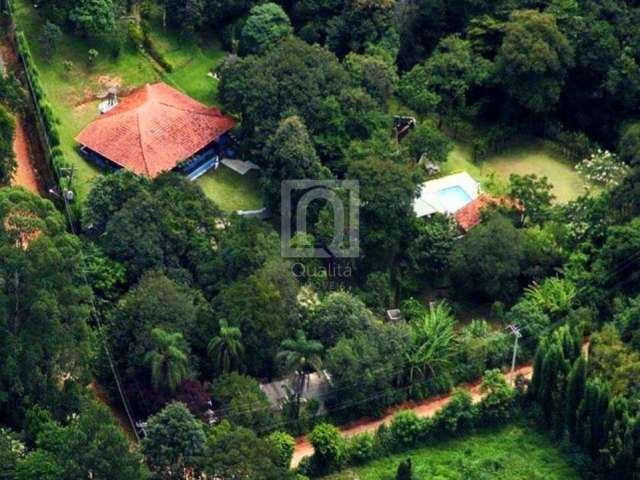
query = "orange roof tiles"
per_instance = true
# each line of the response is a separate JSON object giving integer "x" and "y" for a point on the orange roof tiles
{"x": 154, "y": 129}
{"x": 470, "y": 215}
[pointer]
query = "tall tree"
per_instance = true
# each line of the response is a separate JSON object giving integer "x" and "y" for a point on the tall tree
{"x": 300, "y": 358}
{"x": 168, "y": 359}
{"x": 575, "y": 393}
{"x": 226, "y": 348}
{"x": 266, "y": 25}
{"x": 174, "y": 443}
{"x": 533, "y": 60}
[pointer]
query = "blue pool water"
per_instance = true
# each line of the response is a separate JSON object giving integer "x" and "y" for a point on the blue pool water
{"x": 453, "y": 198}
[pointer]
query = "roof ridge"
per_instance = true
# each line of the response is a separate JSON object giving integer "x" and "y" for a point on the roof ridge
{"x": 144, "y": 156}
{"x": 210, "y": 111}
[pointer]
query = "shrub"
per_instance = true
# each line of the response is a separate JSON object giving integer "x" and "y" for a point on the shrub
{"x": 329, "y": 447}
{"x": 361, "y": 449}
{"x": 92, "y": 56}
{"x": 406, "y": 429}
{"x": 283, "y": 444}
{"x": 457, "y": 416}
{"x": 603, "y": 168}
{"x": 405, "y": 470}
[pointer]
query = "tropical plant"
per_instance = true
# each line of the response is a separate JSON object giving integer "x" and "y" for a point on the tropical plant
{"x": 554, "y": 296}
{"x": 168, "y": 359}
{"x": 300, "y": 357}
{"x": 226, "y": 348}
{"x": 433, "y": 346}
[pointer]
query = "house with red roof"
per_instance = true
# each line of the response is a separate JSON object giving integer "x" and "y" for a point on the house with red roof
{"x": 156, "y": 129}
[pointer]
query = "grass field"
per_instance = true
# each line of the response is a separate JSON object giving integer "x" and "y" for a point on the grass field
{"x": 73, "y": 95}
{"x": 230, "y": 191}
{"x": 511, "y": 453}
{"x": 530, "y": 157}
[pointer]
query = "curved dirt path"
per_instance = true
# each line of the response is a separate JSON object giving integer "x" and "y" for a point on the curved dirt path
{"x": 427, "y": 408}
{"x": 26, "y": 174}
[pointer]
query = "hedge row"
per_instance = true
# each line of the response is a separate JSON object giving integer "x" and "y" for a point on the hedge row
{"x": 44, "y": 110}
{"x": 153, "y": 51}
{"x": 406, "y": 431}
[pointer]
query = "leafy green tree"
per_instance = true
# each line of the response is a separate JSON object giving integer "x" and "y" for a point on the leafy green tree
{"x": 266, "y": 25}
{"x": 109, "y": 194}
{"x": 432, "y": 244}
{"x": 339, "y": 315}
{"x": 39, "y": 465}
{"x": 291, "y": 77}
{"x": 427, "y": 142}
{"x": 91, "y": 444}
{"x": 50, "y": 36}
{"x": 387, "y": 191}
{"x": 616, "y": 262}
{"x": 168, "y": 359}
{"x": 242, "y": 401}
{"x": 93, "y": 18}
{"x": 174, "y": 443}
{"x": 186, "y": 15}
{"x": 236, "y": 452}
{"x": 533, "y": 60}
{"x": 284, "y": 445}
{"x": 264, "y": 307}
{"x": 360, "y": 24}
{"x": 534, "y": 197}
{"x": 226, "y": 348}
{"x": 374, "y": 74}
{"x": 487, "y": 262}
{"x": 442, "y": 84}
{"x": 289, "y": 155}
{"x": 7, "y": 156}
{"x": 629, "y": 144}
{"x": 36, "y": 253}
{"x": 366, "y": 370}
{"x": 300, "y": 357}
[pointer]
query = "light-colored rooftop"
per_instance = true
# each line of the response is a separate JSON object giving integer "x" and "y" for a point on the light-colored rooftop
{"x": 431, "y": 200}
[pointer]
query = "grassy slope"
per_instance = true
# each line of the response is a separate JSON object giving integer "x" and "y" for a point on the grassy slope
{"x": 70, "y": 94}
{"x": 511, "y": 453}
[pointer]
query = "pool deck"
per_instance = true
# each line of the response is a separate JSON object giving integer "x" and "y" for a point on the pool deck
{"x": 432, "y": 201}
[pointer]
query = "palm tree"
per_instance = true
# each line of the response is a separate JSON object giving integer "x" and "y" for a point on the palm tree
{"x": 168, "y": 360}
{"x": 300, "y": 357}
{"x": 432, "y": 343}
{"x": 226, "y": 348}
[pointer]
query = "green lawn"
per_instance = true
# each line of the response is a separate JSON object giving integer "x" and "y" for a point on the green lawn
{"x": 511, "y": 453}
{"x": 231, "y": 191}
{"x": 193, "y": 60}
{"x": 73, "y": 94}
{"x": 525, "y": 158}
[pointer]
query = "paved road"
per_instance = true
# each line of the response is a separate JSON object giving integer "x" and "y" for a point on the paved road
{"x": 424, "y": 409}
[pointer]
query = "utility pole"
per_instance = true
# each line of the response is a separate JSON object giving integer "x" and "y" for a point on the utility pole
{"x": 515, "y": 331}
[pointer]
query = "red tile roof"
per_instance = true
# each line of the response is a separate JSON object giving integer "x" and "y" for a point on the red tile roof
{"x": 470, "y": 215}
{"x": 154, "y": 129}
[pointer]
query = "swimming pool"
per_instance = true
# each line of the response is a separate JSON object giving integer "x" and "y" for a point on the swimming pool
{"x": 453, "y": 198}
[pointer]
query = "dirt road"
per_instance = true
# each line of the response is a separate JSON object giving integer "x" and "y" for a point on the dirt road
{"x": 25, "y": 174}
{"x": 427, "y": 408}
